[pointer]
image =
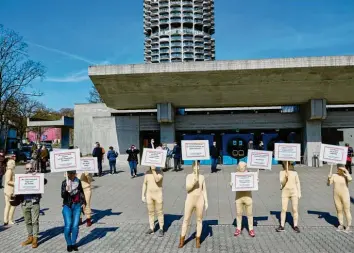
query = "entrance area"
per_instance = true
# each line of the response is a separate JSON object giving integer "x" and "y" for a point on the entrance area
{"x": 146, "y": 136}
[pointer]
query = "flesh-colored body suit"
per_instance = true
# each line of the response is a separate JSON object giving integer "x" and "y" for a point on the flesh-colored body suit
{"x": 341, "y": 196}
{"x": 196, "y": 200}
{"x": 9, "y": 191}
{"x": 243, "y": 201}
{"x": 291, "y": 190}
{"x": 152, "y": 195}
{"x": 86, "y": 179}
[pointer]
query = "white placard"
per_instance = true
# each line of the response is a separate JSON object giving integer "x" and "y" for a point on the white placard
{"x": 89, "y": 165}
{"x": 29, "y": 184}
{"x": 195, "y": 150}
{"x": 333, "y": 154}
{"x": 259, "y": 159}
{"x": 287, "y": 151}
{"x": 65, "y": 160}
{"x": 244, "y": 181}
{"x": 154, "y": 157}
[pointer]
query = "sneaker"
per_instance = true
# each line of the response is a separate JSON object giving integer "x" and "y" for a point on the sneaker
{"x": 251, "y": 233}
{"x": 149, "y": 232}
{"x": 11, "y": 222}
{"x": 88, "y": 223}
{"x": 75, "y": 248}
{"x": 161, "y": 233}
{"x": 237, "y": 232}
{"x": 280, "y": 229}
{"x": 297, "y": 230}
{"x": 340, "y": 228}
{"x": 69, "y": 248}
{"x": 5, "y": 224}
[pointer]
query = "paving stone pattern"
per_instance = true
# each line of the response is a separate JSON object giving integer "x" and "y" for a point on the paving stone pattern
{"x": 121, "y": 218}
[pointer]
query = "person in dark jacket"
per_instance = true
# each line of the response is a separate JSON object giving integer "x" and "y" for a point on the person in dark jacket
{"x": 30, "y": 204}
{"x": 2, "y": 166}
{"x": 133, "y": 159}
{"x": 214, "y": 155}
{"x": 73, "y": 200}
{"x": 177, "y": 155}
{"x": 112, "y": 158}
{"x": 98, "y": 152}
{"x": 348, "y": 164}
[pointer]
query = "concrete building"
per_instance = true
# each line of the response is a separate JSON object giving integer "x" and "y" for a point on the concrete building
{"x": 231, "y": 102}
{"x": 179, "y": 30}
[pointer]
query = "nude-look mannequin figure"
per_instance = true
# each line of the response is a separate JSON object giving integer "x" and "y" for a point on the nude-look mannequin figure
{"x": 152, "y": 195}
{"x": 341, "y": 195}
{"x": 86, "y": 180}
{"x": 290, "y": 190}
{"x": 243, "y": 201}
{"x": 196, "y": 200}
{"x": 8, "y": 192}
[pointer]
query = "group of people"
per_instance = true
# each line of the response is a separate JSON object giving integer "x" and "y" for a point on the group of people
{"x": 39, "y": 158}
{"x": 152, "y": 195}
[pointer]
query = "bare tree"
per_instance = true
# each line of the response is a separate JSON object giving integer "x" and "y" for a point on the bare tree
{"x": 94, "y": 96}
{"x": 17, "y": 71}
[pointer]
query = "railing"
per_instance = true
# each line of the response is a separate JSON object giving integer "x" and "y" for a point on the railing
{"x": 177, "y": 31}
{"x": 188, "y": 37}
{"x": 175, "y": 55}
{"x": 176, "y": 44}
{"x": 175, "y": 19}
{"x": 176, "y": 37}
{"x": 188, "y": 43}
{"x": 176, "y": 49}
{"x": 188, "y": 20}
{"x": 198, "y": 16}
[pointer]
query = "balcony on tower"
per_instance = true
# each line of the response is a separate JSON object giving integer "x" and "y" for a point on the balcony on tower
{"x": 163, "y": 3}
{"x": 176, "y": 37}
{"x": 164, "y": 44}
{"x": 175, "y": 3}
{"x": 187, "y": 3}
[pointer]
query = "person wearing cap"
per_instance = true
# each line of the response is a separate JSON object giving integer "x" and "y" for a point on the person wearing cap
{"x": 30, "y": 204}
{"x": 73, "y": 200}
{"x": 243, "y": 201}
{"x": 341, "y": 195}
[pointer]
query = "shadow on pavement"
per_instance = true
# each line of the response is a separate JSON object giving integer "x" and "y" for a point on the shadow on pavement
{"x": 206, "y": 231}
{"x": 169, "y": 219}
{"x": 327, "y": 216}
{"x": 140, "y": 174}
{"x": 49, "y": 234}
{"x": 255, "y": 221}
{"x": 41, "y": 212}
{"x": 100, "y": 214}
{"x": 2, "y": 228}
{"x": 288, "y": 219}
{"x": 96, "y": 233}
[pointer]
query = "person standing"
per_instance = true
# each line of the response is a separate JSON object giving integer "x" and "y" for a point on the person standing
{"x": 9, "y": 191}
{"x": 73, "y": 200}
{"x": 98, "y": 152}
{"x": 112, "y": 158}
{"x": 151, "y": 144}
{"x": 133, "y": 159}
{"x": 86, "y": 180}
{"x": 348, "y": 165}
{"x": 30, "y": 204}
{"x": 168, "y": 155}
{"x": 2, "y": 166}
{"x": 177, "y": 155}
{"x": 214, "y": 155}
{"x": 44, "y": 156}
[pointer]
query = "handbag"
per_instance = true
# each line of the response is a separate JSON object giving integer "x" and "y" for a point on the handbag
{"x": 15, "y": 200}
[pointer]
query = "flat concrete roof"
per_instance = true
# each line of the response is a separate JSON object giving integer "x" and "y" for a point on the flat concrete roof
{"x": 63, "y": 122}
{"x": 268, "y": 82}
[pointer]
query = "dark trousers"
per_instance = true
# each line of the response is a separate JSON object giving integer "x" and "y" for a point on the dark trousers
{"x": 348, "y": 166}
{"x": 1, "y": 181}
{"x": 214, "y": 163}
{"x": 112, "y": 166}
{"x": 43, "y": 166}
{"x": 99, "y": 166}
{"x": 177, "y": 163}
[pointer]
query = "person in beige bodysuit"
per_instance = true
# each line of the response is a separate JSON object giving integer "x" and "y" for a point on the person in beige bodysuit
{"x": 196, "y": 200}
{"x": 152, "y": 195}
{"x": 291, "y": 190}
{"x": 341, "y": 195}
{"x": 8, "y": 192}
{"x": 86, "y": 179}
{"x": 243, "y": 201}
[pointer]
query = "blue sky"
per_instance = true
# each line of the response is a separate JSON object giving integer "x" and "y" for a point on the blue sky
{"x": 68, "y": 36}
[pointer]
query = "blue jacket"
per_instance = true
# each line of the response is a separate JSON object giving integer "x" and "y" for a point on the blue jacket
{"x": 112, "y": 155}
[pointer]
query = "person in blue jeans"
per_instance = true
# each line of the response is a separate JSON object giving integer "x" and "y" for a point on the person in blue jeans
{"x": 73, "y": 200}
{"x": 112, "y": 158}
{"x": 133, "y": 159}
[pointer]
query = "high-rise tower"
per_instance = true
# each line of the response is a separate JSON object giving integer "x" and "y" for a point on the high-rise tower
{"x": 179, "y": 30}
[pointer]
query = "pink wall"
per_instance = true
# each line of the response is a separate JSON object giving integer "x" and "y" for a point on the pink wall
{"x": 51, "y": 133}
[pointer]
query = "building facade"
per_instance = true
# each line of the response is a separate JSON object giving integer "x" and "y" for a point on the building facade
{"x": 179, "y": 30}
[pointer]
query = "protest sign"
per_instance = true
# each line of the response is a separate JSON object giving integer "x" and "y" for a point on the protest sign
{"x": 287, "y": 152}
{"x": 259, "y": 159}
{"x": 65, "y": 160}
{"x": 244, "y": 181}
{"x": 29, "y": 184}
{"x": 195, "y": 150}
{"x": 89, "y": 165}
{"x": 154, "y": 157}
{"x": 333, "y": 154}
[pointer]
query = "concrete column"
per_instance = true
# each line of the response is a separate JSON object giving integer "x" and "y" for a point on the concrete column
{"x": 314, "y": 112}
{"x": 165, "y": 116}
{"x": 65, "y": 137}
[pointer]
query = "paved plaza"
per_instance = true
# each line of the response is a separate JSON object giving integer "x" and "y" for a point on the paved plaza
{"x": 121, "y": 218}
